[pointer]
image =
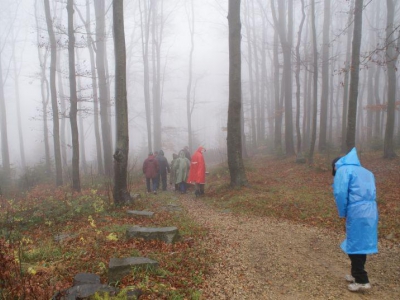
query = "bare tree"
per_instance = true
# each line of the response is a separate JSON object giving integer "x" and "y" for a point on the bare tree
{"x": 315, "y": 85}
{"x": 392, "y": 53}
{"x": 189, "y": 108}
{"x": 99, "y": 7}
{"x": 120, "y": 193}
{"x": 76, "y": 183}
{"x": 297, "y": 76}
{"x": 354, "y": 78}
{"x": 234, "y": 140}
{"x": 145, "y": 31}
{"x": 323, "y": 120}
{"x": 285, "y": 32}
{"x": 53, "y": 92}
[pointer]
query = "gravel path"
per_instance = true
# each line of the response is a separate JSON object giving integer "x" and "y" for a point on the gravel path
{"x": 264, "y": 258}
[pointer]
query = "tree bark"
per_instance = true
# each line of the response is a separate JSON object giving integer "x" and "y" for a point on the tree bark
{"x": 99, "y": 6}
{"x": 391, "y": 61}
{"x": 120, "y": 192}
{"x": 145, "y": 30}
{"x": 234, "y": 140}
{"x": 190, "y": 78}
{"x": 53, "y": 92}
{"x": 323, "y": 120}
{"x": 354, "y": 76}
{"x": 298, "y": 66}
{"x": 5, "y": 154}
{"x": 315, "y": 85}
{"x": 76, "y": 183}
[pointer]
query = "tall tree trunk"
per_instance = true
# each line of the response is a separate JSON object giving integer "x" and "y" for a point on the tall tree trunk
{"x": 156, "y": 76}
{"x": 45, "y": 93}
{"x": 376, "y": 130}
{"x": 53, "y": 92}
{"x": 121, "y": 154}
{"x": 298, "y": 66}
{"x": 234, "y": 140}
{"x": 5, "y": 154}
{"x": 87, "y": 22}
{"x": 145, "y": 32}
{"x": 315, "y": 85}
{"x": 76, "y": 183}
{"x": 355, "y": 66}
{"x": 99, "y": 7}
{"x": 347, "y": 78}
{"x": 286, "y": 38}
{"x": 18, "y": 105}
{"x": 190, "y": 77}
{"x": 251, "y": 85}
{"x": 82, "y": 148}
{"x": 278, "y": 108}
{"x": 323, "y": 120}
{"x": 391, "y": 61}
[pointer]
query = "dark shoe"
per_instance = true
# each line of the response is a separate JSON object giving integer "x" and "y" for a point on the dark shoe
{"x": 197, "y": 193}
{"x": 155, "y": 192}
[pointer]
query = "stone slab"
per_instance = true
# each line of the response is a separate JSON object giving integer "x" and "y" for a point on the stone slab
{"x": 168, "y": 235}
{"x": 120, "y": 267}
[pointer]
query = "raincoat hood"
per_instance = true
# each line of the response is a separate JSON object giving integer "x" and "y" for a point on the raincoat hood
{"x": 200, "y": 149}
{"x": 350, "y": 158}
{"x": 161, "y": 152}
{"x": 182, "y": 154}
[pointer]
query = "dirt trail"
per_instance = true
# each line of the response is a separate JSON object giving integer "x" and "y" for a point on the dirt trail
{"x": 264, "y": 258}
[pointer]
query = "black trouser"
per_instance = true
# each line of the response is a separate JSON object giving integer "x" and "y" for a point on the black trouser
{"x": 357, "y": 267}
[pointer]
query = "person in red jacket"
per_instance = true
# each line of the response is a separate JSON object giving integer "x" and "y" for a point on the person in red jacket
{"x": 150, "y": 170}
{"x": 197, "y": 172}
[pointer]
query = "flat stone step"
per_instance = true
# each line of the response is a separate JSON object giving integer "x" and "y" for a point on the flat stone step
{"x": 86, "y": 278}
{"x": 140, "y": 213}
{"x": 168, "y": 235}
{"x": 120, "y": 267}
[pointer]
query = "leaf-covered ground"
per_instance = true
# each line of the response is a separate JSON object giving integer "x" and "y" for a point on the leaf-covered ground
{"x": 275, "y": 239}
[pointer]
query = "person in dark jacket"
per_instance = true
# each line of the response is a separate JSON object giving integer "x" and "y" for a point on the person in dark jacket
{"x": 355, "y": 195}
{"x": 163, "y": 169}
{"x": 187, "y": 152}
{"x": 150, "y": 170}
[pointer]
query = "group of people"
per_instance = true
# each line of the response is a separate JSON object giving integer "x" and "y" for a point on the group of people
{"x": 183, "y": 169}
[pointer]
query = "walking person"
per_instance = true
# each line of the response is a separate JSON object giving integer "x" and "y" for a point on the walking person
{"x": 163, "y": 169}
{"x": 181, "y": 170}
{"x": 150, "y": 170}
{"x": 355, "y": 196}
{"x": 197, "y": 173}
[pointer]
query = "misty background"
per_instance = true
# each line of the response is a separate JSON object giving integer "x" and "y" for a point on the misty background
{"x": 202, "y": 86}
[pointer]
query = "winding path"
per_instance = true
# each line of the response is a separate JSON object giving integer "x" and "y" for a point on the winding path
{"x": 264, "y": 258}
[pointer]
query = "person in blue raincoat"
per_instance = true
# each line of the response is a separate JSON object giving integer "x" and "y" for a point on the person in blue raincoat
{"x": 355, "y": 195}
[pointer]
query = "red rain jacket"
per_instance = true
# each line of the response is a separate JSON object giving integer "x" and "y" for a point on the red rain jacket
{"x": 197, "y": 172}
{"x": 150, "y": 167}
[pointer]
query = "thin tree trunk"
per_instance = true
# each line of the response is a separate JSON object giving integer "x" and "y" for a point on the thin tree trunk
{"x": 5, "y": 155}
{"x": 18, "y": 105}
{"x": 347, "y": 78}
{"x": 53, "y": 91}
{"x": 323, "y": 120}
{"x": 99, "y": 6}
{"x": 121, "y": 154}
{"x": 278, "y": 108}
{"x": 82, "y": 151}
{"x": 391, "y": 59}
{"x": 315, "y": 85}
{"x": 190, "y": 77}
{"x": 354, "y": 79}
{"x": 145, "y": 30}
{"x": 298, "y": 66}
{"x": 76, "y": 183}
{"x": 234, "y": 140}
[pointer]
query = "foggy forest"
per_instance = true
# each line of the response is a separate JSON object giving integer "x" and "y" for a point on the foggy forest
{"x": 257, "y": 96}
{"x": 314, "y": 77}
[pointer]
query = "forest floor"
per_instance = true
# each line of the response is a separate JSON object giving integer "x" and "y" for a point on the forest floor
{"x": 284, "y": 256}
{"x": 277, "y": 238}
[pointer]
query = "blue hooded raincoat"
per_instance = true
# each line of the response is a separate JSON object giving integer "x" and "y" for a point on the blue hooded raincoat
{"x": 355, "y": 196}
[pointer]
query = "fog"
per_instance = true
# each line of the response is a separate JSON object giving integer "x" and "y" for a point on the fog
{"x": 20, "y": 38}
